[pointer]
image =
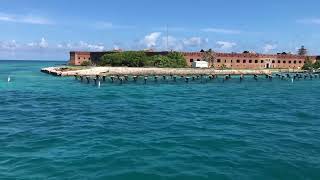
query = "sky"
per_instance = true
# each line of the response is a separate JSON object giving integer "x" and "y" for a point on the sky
{"x": 50, "y": 29}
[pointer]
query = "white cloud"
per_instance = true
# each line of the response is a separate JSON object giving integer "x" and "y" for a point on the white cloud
{"x": 224, "y": 45}
{"x": 5, "y": 18}
{"x": 110, "y": 25}
{"x": 193, "y": 41}
{"x": 9, "y": 45}
{"x": 81, "y": 46}
{"x": 171, "y": 43}
{"x": 104, "y": 25}
{"x": 222, "y": 31}
{"x": 157, "y": 41}
{"x": 43, "y": 43}
{"x": 269, "y": 47}
{"x": 27, "y": 19}
{"x": 309, "y": 21}
{"x": 95, "y": 47}
{"x": 151, "y": 39}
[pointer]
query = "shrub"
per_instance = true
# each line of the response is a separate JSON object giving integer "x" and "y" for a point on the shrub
{"x": 140, "y": 59}
{"x": 86, "y": 63}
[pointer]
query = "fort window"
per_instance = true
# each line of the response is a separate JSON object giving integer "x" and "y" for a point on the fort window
{"x": 262, "y": 61}
{"x": 238, "y": 61}
{"x": 78, "y": 57}
{"x": 244, "y": 61}
{"x": 284, "y": 62}
{"x": 256, "y": 61}
{"x": 218, "y": 60}
{"x": 225, "y": 61}
{"x": 250, "y": 61}
{"x": 279, "y": 61}
{"x": 191, "y": 60}
{"x": 273, "y": 61}
{"x": 289, "y": 62}
{"x": 198, "y": 59}
{"x": 300, "y": 62}
{"x": 294, "y": 62}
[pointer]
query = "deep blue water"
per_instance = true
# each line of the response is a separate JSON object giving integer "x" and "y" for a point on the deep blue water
{"x": 59, "y": 128}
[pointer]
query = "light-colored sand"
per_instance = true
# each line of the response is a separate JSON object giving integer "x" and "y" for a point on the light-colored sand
{"x": 121, "y": 71}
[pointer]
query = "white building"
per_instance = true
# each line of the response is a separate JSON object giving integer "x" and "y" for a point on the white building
{"x": 200, "y": 64}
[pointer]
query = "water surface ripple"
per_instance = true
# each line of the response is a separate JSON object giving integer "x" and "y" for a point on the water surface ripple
{"x": 58, "y": 128}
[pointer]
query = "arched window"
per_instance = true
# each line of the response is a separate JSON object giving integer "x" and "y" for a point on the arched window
{"x": 273, "y": 61}
{"x": 244, "y": 61}
{"x": 262, "y": 61}
{"x": 250, "y": 61}
{"x": 256, "y": 61}
{"x": 294, "y": 62}
{"x": 191, "y": 60}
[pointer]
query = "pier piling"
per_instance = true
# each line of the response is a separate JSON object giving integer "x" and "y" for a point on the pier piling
{"x": 135, "y": 78}
{"x": 145, "y": 79}
{"x": 112, "y": 79}
{"x": 187, "y": 79}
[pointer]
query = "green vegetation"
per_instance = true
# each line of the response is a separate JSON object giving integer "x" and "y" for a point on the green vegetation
{"x": 223, "y": 67}
{"x": 86, "y": 63}
{"x": 208, "y": 56}
{"x": 309, "y": 65}
{"x": 140, "y": 59}
{"x": 316, "y": 65}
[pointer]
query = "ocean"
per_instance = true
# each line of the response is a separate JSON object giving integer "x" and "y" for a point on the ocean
{"x": 59, "y": 128}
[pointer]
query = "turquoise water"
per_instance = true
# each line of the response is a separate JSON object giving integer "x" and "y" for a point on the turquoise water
{"x": 59, "y": 128}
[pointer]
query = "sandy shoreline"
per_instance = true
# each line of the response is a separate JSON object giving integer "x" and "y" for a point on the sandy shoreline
{"x": 131, "y": 71}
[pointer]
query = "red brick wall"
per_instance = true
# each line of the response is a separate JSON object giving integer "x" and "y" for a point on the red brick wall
{"x": 251, "y": 61}
{"x": 230, "y": 60}
{"x": 77, "y": 58}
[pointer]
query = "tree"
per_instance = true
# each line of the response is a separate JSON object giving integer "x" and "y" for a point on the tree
{"x": 223, "y": 67}
{"x": 208, "y": 56}
{"x": 308, "y": 65}
{"x": 178, "y": 60}
{"x": 140, "y": 59}
{"x": 316, "y": 65}
{"x": 86, "y": 63}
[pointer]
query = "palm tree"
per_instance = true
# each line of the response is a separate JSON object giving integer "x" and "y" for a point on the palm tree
{"x": 209, "y": 56}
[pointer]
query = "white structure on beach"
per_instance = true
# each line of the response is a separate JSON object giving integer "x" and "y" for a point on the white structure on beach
{"x": 200, "y": 64}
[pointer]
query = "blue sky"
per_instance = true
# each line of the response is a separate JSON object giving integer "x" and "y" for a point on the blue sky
{"x": 49, "y": 29}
